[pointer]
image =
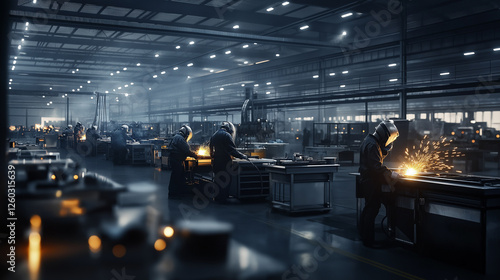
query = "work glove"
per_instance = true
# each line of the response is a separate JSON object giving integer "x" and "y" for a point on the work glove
{"x": 396, "y": 176}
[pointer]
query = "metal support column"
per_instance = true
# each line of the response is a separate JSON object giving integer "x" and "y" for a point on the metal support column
{"x": 402, "y": 97}
{"x": 67, "y": 111}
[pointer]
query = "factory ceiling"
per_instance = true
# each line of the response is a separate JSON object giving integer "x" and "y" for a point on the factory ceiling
{"x": 78, "y": 47}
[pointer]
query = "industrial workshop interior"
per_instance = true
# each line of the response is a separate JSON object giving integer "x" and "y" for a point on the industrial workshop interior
{"x": 250, "y": 139}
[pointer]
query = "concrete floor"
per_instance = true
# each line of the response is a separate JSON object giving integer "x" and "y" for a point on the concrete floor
{"x": 305, "y": 246}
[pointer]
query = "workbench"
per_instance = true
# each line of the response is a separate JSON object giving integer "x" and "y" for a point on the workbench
{"x": 139, "y": 153}
{"x": 452, "y": 217}
{"x": 252, "y": 180}
{"x": 301, "y": 188}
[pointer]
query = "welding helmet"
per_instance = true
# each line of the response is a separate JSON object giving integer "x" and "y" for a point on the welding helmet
{"x": 386, "y": 132}
{"x": 186, "y": 132}
{"x": 125, "y": 127}
{"x": 229, "y": 128}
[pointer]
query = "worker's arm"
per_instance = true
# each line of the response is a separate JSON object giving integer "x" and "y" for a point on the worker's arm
{"x": 231, "y": 148}
{"x": 184, "y": 148}
{"x": 376, "y": 169}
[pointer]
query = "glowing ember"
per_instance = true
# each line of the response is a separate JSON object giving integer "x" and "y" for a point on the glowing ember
{"x": 429, "y": 156}
{"x": 202, "y": 151}
{"x": 83, "y": 138}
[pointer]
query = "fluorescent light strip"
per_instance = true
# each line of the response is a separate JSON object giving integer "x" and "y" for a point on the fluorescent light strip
{"x": 469, "y": 53}
{"x": 346, "y": 15}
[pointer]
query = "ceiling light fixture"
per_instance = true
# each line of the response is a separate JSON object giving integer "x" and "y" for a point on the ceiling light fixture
{"x": 191, "y": 43}
{"x": 344, "y": 33}
{"x": 342, "y": 86}
{"x": 315, "y": 76}
{"x": 304, "y": 27}
{"x": 91, "y": 97}
{"x": 50, "y": 88}
{"x": 13, "y": 68}
{"x": 14, "y": 62}
{"x": 176, "y": 68}
{"x": 213, "y": 56}
{"x": 178, "y": 47}
{"x": 392, "y": 65}
{"x": 246, "y": 62}
{"x": 256, "y": 85}
{"x": 496, "y": 49}
{"x": 345, "y": 72}
{"x": 332, "y": 74}
{"x": 263, "y": 61}
{"x": 106, "y": 92}
{"x": 346, "y": 15}
{"x": 211, "y": 70}
{"x": 34, "y": 1}
{"x": 125, "y": 69}
{"x": 138, "y": 64}
{"x": 119, "y": 88}
{"x": 245, "y": 46}
{"x": 125, "y": 85}
{"x": 131, "y": 84}
{"x": 277, "y": 55}
{"x": 227, "y": 52}
{"x": 77, "y": 69}
{"x": 19, "y": 47}
{"x": 88, "y": 82}
{"x": 268, "y": 83}
{"x": 444, "y": 74}
{"x": 155, "y": 76}
{"x": 126, "y": 94}
{"x": 393, "y": 80}
{"x": 190, "y": 64}
{"x": 236, "y": 26}
{"x": 163, "y": 72}
{"x": 285, "y": 3}
{"x": 268, "y": 92}
{"x": 221, "y": 89}
{"x": 111, "y": 74}
{"x": 43, "y": 96}
{"x": 242, "y": 85}
{"x": 270, "y": 9}
{"x": 469, "y": 53}
{"x": 157, "y": 55}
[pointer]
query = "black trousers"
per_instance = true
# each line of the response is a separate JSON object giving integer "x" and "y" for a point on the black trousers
{"x": 222, "y": 177}
{"x": 119, "y": 154}
{"x": 374, "y": 198}
{"x": 177, "y": 178}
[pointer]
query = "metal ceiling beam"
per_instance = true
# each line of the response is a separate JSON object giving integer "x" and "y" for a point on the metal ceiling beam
{"x": 128, "y": 26}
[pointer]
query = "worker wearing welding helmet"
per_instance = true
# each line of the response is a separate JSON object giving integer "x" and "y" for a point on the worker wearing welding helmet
{"x": 179, "y": 150}
{"x": 375, "y": 175}
{"x": 222, "y": 147}
{"x": 119, "y": 144}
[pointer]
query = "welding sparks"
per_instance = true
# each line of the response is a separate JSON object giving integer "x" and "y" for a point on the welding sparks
{"x": 203, "y": 151}
{"x": 429, "y": 156}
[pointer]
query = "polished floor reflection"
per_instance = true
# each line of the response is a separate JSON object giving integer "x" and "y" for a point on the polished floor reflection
{"x": 264, "y": 244}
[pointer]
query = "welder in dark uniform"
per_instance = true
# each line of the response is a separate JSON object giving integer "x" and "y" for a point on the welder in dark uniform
{"x": 119, "y": 144}
{"x": 375, "y": 176}
{"x": 179, "y": 150}
{"x": 222, "y": 147}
